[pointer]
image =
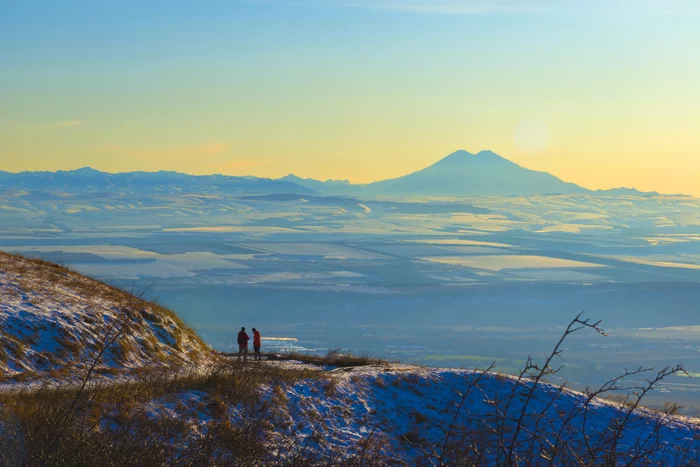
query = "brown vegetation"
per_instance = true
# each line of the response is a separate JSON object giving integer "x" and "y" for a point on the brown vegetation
{"x": 218, "y": 414}
{"x": 79, "y": 314}
{"x": 40, "y": 275}
{"x": 333, "y": 358}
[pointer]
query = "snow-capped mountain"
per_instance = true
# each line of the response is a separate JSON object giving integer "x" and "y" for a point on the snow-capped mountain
{"x": 463, "y": 174}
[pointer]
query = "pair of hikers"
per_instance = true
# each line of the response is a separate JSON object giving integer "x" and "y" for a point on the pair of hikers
{"x": 243, "y": 344}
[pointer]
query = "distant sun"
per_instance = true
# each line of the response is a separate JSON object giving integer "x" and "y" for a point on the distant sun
{"x": 532, "y": 136}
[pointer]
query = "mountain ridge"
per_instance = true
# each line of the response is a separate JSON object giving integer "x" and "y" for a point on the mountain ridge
{"x": 459, "y": 174}
{"x": 89, "y": 180}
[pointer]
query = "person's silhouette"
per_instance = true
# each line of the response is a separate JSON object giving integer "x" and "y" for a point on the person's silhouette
{"x": 243, "y": 345}
{"x": 256, "y": 344}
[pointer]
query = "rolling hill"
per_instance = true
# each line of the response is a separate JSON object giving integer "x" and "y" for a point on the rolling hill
{"x": 55, "y": 322}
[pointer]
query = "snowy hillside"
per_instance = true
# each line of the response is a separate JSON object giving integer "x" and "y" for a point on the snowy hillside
{"x": 400, "y": 415}
{"x": 57, "y": 321}
{"x": 472, "y": 418}
{"x": 194, "y": 407}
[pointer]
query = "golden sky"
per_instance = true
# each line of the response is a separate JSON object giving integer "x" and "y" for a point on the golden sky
{"x": 596, "y": 96}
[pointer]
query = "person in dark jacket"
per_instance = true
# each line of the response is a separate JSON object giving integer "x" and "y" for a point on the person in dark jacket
{"x": 243, "y": 345}
{"x": 256, "y": 344}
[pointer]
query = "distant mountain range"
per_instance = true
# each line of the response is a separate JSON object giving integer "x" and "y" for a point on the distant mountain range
{"x": 460, "y": 174}
{"x": 87, "y": 180}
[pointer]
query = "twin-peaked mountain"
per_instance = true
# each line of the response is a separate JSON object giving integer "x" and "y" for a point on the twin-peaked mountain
{"x": 462, "y": 174}
{"x": 465, "y": 174}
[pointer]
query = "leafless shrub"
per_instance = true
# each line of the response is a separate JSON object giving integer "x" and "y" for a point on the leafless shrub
{"x": 532, "y": 425}
{"x": 671, "y": 408}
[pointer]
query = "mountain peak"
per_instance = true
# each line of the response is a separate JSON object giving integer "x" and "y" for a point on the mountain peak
{"x": 88, "y": 171}
{"x": 464, "y": 153}
{"x": 315, "y": 184}
{"x": 463, "y": 159}
{"x": 459, "y": 154}
{"x": 491, "y": 157}
{"x": 456, "y": 158}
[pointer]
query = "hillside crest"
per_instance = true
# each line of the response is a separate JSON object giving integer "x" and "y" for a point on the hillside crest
{"x": 56, "y": 322}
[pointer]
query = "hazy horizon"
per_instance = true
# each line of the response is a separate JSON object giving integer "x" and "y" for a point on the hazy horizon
{"x": 598, "y": 93}
{"x": 303, "y": 177}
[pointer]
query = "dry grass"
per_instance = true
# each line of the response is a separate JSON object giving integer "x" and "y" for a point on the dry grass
{"x": 333, "y": 358}
{"x": 126, "y": 424}
{"x": 671, "y": 408}
{"x": 216, "y": 416}
{"x": 80, "y": 333}
{"x": 229, "y": 424}
{"x": 39, "y": 274}
{"x": 622, "y": 400}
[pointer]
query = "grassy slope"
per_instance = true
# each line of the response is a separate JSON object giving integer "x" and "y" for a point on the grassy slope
{"x": 291, "y": 413}
{"x": 54, "y": 320}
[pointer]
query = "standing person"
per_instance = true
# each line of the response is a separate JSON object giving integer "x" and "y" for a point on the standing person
{"x": 243, "y": 345}
{"x": 256, "y": 344}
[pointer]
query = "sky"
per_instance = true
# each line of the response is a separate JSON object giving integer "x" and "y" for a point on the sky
{"x": 602, "y": 93}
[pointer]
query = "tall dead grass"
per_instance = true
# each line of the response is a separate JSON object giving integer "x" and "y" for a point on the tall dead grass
{"x": 41, "y": 275}
{"x": 332, "y": 358}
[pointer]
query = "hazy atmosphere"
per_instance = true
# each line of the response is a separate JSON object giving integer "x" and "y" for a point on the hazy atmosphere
{"x": 380, "y": 188}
